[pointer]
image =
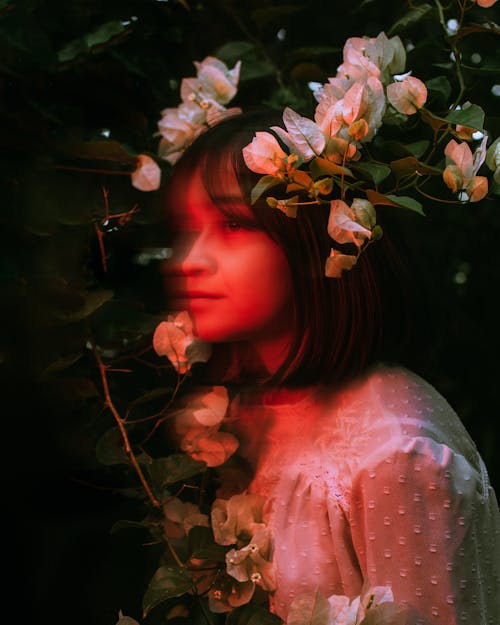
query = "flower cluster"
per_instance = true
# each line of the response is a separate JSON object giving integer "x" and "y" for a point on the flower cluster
{"x": 238, "y": 522}
{"x": 198, "y": 427}
{"x": 203, "y": 105}
{"x": 174, "y": 338}
{"x": 314, "y": 157}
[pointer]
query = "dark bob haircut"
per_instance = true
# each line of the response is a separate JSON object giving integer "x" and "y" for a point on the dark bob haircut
{"x": 341, "y": 325}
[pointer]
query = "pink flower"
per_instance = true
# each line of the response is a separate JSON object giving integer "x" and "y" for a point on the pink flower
{"x": 460, "y": 172}
{"x": 174, "y": 339}
{"x": 209, "y": 446}
{"x": 351, "y": 224}
{"x": 486, "y": 4}
{"x": 264, "y": 154}
{"x": 147, "y": 175}
{"x": 408, "y": 95}
{"x": 179, "y": 127}
{"x": 302, "y": 135}
{"x": 378, "y": 56}
{"x": 203, "y": 409}
{"x": 363, "y": 100}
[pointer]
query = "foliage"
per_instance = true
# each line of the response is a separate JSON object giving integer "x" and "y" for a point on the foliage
{"x": 83, "y": 85}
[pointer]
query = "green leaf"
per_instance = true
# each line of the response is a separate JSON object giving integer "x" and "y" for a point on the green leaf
{"x": 252, "y": 615}
{"x": 264, "y": 184}
{"x": 406, "y": 202}
{"x": 63, "y": 362}
{"x": 410, "y": 18}
{"x": 203, "y": 546}
{"x": 311, "y": 608}
{"x": 418, "y": 148}
{"x": 409, "y": 165}
{"x": 104, "y": 33}
{"x": 440, "y": 85}
{"x": 92, "y": 302}
{"x": 167, "y": 582}
{"x": 174, "y": 468}
{"x": 376, "y": 171}
{"x": 323, "y": 167}
{"x": 233, "y": 51}
{"x": 109, "y": 449}
{"x": 472, "y": 116}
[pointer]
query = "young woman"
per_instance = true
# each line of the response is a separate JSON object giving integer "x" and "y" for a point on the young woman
{"x": 369, "y": 476}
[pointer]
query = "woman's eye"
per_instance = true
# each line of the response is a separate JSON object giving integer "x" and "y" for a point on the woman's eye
{"x": 232, "y": 225}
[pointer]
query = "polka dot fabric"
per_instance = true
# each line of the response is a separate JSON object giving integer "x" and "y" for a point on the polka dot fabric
{"x": 379, "y": 483}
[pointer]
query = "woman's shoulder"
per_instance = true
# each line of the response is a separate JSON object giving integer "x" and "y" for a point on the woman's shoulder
{"x": 391, "y": 407}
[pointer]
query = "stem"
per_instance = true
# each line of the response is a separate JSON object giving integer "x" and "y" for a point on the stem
{"x": 123, "y": 431}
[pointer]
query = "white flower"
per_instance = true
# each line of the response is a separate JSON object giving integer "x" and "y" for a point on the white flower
{"x": 237, "y": 519}
{"x": 216, "y": 80}
{"x": 147, "y": 175}
{"x": 264, "y": 154}
{"x": 179, "y": 128}
{"x": 174, "y": 339}
{"x": 251, "y": 563}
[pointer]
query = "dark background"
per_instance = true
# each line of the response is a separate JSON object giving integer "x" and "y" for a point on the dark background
{"x": 73, "y": 70}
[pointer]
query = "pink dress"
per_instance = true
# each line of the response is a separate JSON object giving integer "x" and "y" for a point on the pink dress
{"x": 380, "y": 483}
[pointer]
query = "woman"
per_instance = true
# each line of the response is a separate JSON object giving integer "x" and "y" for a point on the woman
{"x": 368, "y": 475}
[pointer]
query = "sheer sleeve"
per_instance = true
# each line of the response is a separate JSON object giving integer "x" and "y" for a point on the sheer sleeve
{"x": 425, "y": 522}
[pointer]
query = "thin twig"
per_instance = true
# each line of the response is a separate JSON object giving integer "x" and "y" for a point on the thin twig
{"x": 123, "y": 431}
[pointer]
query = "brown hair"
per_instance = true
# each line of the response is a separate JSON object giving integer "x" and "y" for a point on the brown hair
{"x": 341, "y": 325}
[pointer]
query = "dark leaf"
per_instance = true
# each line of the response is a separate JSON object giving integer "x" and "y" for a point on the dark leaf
{"x": 167, "y": 582}
{"x": 174, "y": 468}
{"x": 109, "y": 448}
{"x": 252, "y": 615}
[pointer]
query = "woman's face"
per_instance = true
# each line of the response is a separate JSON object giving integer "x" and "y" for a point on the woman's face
{"x": 231, "y": 276}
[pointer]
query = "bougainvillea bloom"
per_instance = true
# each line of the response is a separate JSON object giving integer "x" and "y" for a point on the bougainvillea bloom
{"x": 147, "y": 175}
{"x": 407, "y": 96}
{"x": 264, "y": 155}
{"x": 174, "y": 339}
{"x": 351, "y": 224}
{"x": 460, "y": 172}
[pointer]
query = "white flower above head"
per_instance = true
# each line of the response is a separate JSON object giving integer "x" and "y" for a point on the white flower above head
{"x": 202, "y": 106}
{"x": 216, "y": 80}
{"x": 174, "y": 338}
{"x": 264, "y": 154}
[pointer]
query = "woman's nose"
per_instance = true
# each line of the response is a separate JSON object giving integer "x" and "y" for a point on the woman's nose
{"x": 193, "y": 255}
